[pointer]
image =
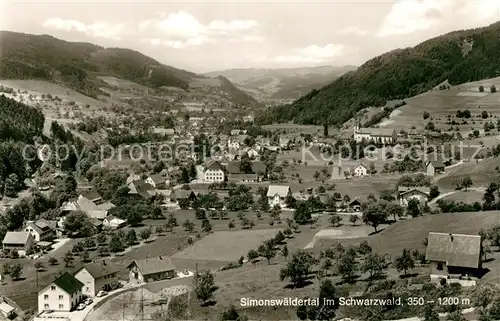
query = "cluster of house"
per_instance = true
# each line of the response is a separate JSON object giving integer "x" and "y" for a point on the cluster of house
{"x": 68, "y": 290}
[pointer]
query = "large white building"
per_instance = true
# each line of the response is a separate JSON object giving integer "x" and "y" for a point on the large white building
{"x": 276, "y": 195}
{"x": 97, "y": 276}
{"x": 214, "y": 172}
{"x": 64, "y": 294}
{"x": 419, "y": 193}
{"x": 377, "y": 135}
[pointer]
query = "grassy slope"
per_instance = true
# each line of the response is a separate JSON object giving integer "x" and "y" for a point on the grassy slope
{"x": 398, "y": 74}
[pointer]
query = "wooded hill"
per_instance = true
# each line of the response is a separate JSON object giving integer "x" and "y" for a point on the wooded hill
{"x": 459, "y": 56}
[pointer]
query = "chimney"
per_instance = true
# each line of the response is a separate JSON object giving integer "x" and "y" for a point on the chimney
{"x": 451, "y": 237}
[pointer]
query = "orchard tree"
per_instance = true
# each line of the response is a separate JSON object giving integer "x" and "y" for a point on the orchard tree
{"x": 204, "y": 286}
{"x": 405, "y": 262}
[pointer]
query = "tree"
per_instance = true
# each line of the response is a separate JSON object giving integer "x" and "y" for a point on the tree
{"x": 302, "y": 213}
{"x": 267, "y": 250}
{"x": 456, "y": 316}
{"x": 68, "y": 259}
{"x": 131, "y": 237}
{"x": 430, "y": 313}
{"x": 230, "y": 224}
{"x": 39, "y": 266}
{"x": 230, "y": 314}
{"x": 171, "y": 222}
{"x": 102, "y": 238}
{"x": 434, "y": 192}
{"x": 185, "y": 179}
{"x": 466, "y": 182}
{"x": 405, "y": 262}
{"x": 52, "y": 261}
{"x": 328, "y": 303}
{"x": 206, "y": 226}
{"x": 335, "y": 220}
{"x": 364, "y": 248}
{"x": 263, "y": 203}
{"x": 115, "y": 244}
{"x": 159, "y": 230}
{"x": 493, "y": 89}
{"x": 347, "y": 266}
{"x": 481, "y": 88}
{"x": 188, "y": 225}
{"x": 16, "y": 270}
{"x": 375, "y": 214}
{"x": 85, "y": 256}
{"x": 298, "y": 268}
{"x": 284, "y": 252}
{"x": 413, "y": 207}
{"x": 353, "y": 219}
{"x": 426, "y": 115}
{"x": 373, "y": 264}
{"x": 252, "y": 255}
{"x": 204, "y": 286}
{"x": 145, "y": 233}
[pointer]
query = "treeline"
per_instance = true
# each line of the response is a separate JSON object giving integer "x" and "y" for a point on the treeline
{"x": 397, "y": 74}
{"x": 19, "y": 122}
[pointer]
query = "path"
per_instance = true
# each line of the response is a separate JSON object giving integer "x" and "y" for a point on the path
{"x": 441, "y": 196}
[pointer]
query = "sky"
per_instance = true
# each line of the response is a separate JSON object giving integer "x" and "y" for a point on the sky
{"x": 215, "y": 35}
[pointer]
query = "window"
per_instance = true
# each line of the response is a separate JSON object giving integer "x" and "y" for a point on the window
{"x": 61, "y": 306}
{"x": 52, "y": 288}
{"x": 440, "y": 266}
{"x": 61, "y": 297}
{"x": 46, "y": 297}
{"x": 46, "y": 306}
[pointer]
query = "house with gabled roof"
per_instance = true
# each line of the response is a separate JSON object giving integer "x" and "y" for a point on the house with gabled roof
{"x": 97, "y": 276}
{"x": 157, "y": 181}
{"x": 434, "y": 167}
{"x": 259, "y": 170}
{"x": 276, "y": 195}
{"x": 42, "y": 230}
{"x": 214, "y": 171}
{"x": 93, "y": 196}
{"x": 22, "y": 242}
{"x": 132, "y": 177}
{"x": 453, "y": 255}
{"x": 151, "y": 269}
{"x": 63, "y": 294}
{"x": 141, "y": 188}
{"x": 419, "y": 193}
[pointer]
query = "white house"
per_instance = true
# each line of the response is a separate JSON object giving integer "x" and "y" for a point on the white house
{"x": 151, "y": 269}
{"x": 132, "y": 177}
{"x": 157, "y": 181}
{"x": 19, "y": 241}
{"x": 96, "y": 277}
{"x": 113, "y": 222}
{"x": 233, "y": 143}
{"x": 252, "y": 153}
{"x": 377, "y": 135}
{"x": 63, "y": 294}
{"x": 359, "y": 171}
{"x": 40, "y": 230}
{"x": 276, "y": 195}
{"x": 7, "y": 310}
{"x": 406, "y": 193}
{"x": 214, "y": 172}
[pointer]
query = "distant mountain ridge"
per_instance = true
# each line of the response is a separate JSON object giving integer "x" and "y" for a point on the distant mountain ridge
{"x": 282, "y": 83}
{"x": 77, "y": 65}
{"x": 458, "y": 57}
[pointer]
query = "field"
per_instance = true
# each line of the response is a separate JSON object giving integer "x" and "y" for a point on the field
{"x": 468, "y": 197}
{"x": 226, "y": 246}
{"x": 441, "y": 103}
{"x": 481, "y": 173}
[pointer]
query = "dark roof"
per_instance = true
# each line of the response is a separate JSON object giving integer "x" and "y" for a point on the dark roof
{"x": 181, "y": 193}
{"x": 153, "y": 265}
{"x": 91, "y": 195}
{"x": 157, "y": 178}
{"x": 436, "y": 163}
{"x": 68, "y": 283}
{"x": 100, "y": 269}
{"x": 214, "y": 165}
{"x": 458, "y": 250}
{"x": 403, "y": 190}
{"x": 241, "y": 177}
{"x": 257, "y": 166}
{"x": 143, "y": 188}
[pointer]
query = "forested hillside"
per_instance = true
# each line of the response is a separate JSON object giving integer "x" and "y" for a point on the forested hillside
{"x": 73, "y": 64}
{"x": 19, "y": 122}
{"x": 460, "y": 56}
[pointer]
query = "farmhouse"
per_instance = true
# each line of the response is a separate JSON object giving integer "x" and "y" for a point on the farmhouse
{"x": 258, "y": 171}
{"x": 151, "y": 269}
{"x": 19, "y": 241}
{"x": 63, "y": 294}
{"x": 179, "y": 194}
{"x": 434, "y": 167}
{"x": 93, "y": 196}
{"x": 141, "y": 188}
{"x": 97, "y": 276}
{"x": 132, "y": 177}
{"x": 214, "y": 172}
{"x": 354, "y": 206}
{"x": 7, "y": 310}
{"x": 157, "y": 181}
{"x": 377, "y": 135}
{"x": 359, "y": 170}
{"x": 276, "y": 195}
{"x": 419, "y": 193}
{"x": 113, "y": 222}
{"x": 42, "y": 231}
{"x": 453, "y": 255}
